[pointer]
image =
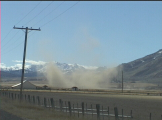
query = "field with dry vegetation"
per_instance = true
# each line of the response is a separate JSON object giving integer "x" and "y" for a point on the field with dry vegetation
{"x": 28, "y": 111}
{"x": 142, "y": 103}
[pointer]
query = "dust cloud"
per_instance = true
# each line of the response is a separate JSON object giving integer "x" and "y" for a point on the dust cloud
{"x": 86, "y": 47}
{"x": 84, "y": 79}
{"x": 54, "y": 76}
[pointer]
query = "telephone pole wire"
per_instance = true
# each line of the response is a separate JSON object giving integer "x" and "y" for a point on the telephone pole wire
{"x": 23, "y": 65}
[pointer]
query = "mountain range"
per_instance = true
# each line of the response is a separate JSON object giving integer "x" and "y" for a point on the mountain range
{"x": 39, "y": 70}
{"x": 147, "y": 68}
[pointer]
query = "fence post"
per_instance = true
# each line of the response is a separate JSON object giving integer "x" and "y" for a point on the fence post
{"x": 34, "y": 99}
{"x": 38, "y": 100}
{"x": 98, "y": 111}
{"x": 60, "y": 101}
{"x": 29, "y": 98}
{"x": 102, "y": 112}
{"x": 22, "y": 96}
{"x": 108, "y": 110}
{"x": 78, "y": 109}
{"x": 86, "y": 107}
{"x": 131, "y": 114}
{"x": 122, "y": 114}
{"x": 52, "y": 103}
{"x": 116, "y": 113}
{"x": 18, "y": 96}
{"x": 25, "y": 97}
{"x": 12, "y": 95}
{"x": 83, "y": 109}
{"x": 45, "y": 102}
{"x": 66, "y": 107}
{"x": 150, "y": 116}
{"x": 92, "y": 110}
{"x": 69, "y": 107}
{"x": 73, "y": 110}
{"x": 49, "y": 103}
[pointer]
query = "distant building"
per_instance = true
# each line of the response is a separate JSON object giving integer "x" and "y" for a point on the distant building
{"x": 26, "y": 85}
{"x": 75, "y": 88}
{"x": 45, "y": 86}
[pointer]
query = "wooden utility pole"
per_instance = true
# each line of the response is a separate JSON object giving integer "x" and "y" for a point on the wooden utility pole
{"x": 122, "y": 81}
{"x": 23, "y": 64}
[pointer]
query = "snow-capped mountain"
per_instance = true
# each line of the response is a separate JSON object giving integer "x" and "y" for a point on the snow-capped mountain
{"x": 148, "y": 69}
{"x": 64, "y": 67}
{"x": 42, "y": 68}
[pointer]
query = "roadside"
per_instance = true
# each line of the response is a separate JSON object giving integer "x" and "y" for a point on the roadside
{"x": 14, "y": 110}
{"x": 8, "y": 116}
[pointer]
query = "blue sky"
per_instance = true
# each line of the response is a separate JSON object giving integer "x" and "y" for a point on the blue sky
{"x": 91, "y": 33}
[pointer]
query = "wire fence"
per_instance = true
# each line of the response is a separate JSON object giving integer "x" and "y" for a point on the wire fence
{"x": 95, "y": 112}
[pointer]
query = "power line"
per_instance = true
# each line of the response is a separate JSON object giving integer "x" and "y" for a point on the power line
{"x": 60, "y": 14}
{"x": 46, "y": 23}
{"x": 39, "y": 12}
{"x": 56, "y": 16}
{"x": 49, "y": 13}
{"x": 15, "y": 41}
{"x": 13, "y": 48}
{"x": 19, "y": 22}
{"x": 7, "y": 34}
{"x": 9, "y": 40}
{"x": 29, "y": 12}
{"x": 16, "y": 45}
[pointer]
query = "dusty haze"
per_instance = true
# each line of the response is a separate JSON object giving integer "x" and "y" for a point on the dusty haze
{"x": 86, "y": 47}
{"x": 81, "y": 78}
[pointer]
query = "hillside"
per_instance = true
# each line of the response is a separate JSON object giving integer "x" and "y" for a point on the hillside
{"x": 148, "y": 68}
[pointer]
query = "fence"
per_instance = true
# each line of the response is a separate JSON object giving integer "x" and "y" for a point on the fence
{"x": 95, "y": 111}
{"x": 79, "y": 110}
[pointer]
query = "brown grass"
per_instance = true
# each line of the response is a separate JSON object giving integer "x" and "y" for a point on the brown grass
{"x": 31, "y": 112}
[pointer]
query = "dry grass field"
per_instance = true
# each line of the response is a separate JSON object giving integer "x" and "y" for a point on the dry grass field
{"x": 141, "y": 104}
{"x": 27, "y": 111}
{"x": 128, "y": 86}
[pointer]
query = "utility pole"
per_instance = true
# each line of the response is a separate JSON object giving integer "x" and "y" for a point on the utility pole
{"x": 122, "y": 81}
{"x": 23, "y": 64}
